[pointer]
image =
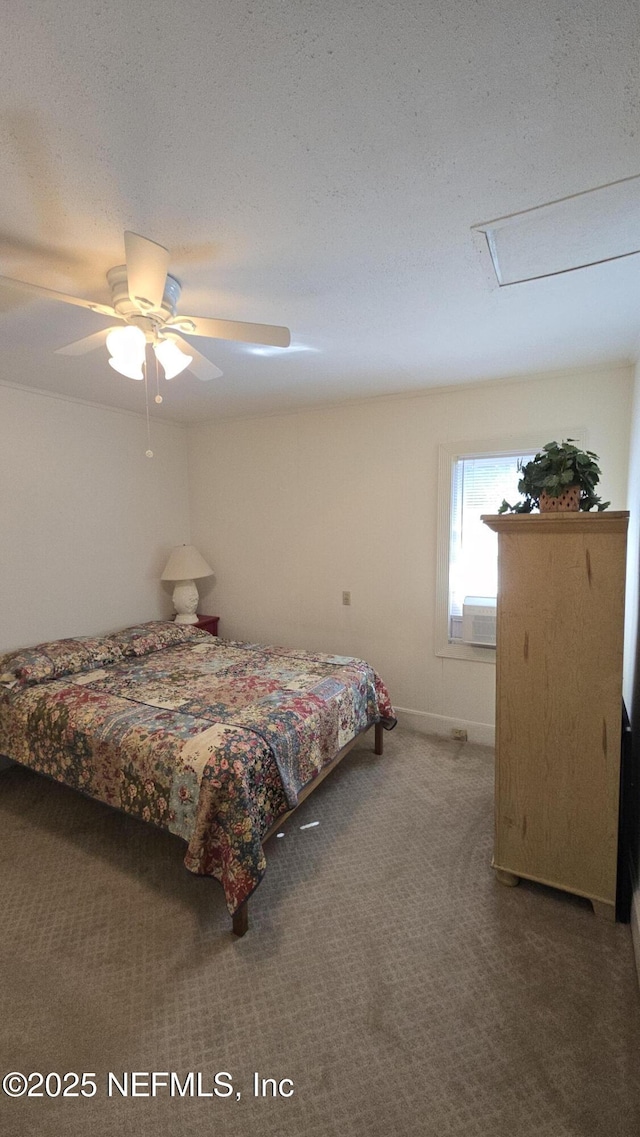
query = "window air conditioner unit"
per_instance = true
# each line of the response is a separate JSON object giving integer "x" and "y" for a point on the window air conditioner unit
{"x": 479, "y": 621}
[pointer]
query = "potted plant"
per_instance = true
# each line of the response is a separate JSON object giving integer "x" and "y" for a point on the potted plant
{"x": 560, "y": 477}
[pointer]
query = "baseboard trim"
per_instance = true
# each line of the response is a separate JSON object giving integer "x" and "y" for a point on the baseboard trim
{"x": 424, "y": 723}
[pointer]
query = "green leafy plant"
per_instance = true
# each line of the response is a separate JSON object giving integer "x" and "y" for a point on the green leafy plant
{"x": 554, "y": 469}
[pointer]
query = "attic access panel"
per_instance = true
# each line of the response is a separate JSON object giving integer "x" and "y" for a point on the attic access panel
{"x": 587, "y": 228}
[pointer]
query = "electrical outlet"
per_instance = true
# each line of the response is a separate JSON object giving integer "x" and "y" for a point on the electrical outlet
{"x": 346, "y": 597}
{"x": 459, "y": 734}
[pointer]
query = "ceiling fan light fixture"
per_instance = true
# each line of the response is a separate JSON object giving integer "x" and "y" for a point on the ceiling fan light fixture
{"x": 124, "y": 367}
{"x": 145, "y": 296}
{"x": 171, "y": 357}
{"x": 127, "y": 347}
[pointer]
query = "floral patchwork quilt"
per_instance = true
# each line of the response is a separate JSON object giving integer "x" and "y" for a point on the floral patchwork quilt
{"x": 208, "y": 738}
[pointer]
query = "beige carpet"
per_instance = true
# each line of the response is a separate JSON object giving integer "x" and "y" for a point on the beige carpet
{"x": 386, "y": 973}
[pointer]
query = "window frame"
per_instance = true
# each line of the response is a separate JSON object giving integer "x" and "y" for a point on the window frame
{"x": 449, "y": 453}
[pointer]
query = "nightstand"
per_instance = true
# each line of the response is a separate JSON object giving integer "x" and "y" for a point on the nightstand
{"x": 208, "y": 624}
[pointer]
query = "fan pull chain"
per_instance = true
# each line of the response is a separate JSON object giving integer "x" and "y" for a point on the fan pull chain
{"x": 149, "y": 451}
{"x": 158, "y": 395}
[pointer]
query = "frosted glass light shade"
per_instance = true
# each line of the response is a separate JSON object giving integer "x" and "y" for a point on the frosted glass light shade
{"x": 172, "y": 359}
{"x": 126, "y": 347}
{"x": 186, "y": 563}
{"x": 131, "y": 369}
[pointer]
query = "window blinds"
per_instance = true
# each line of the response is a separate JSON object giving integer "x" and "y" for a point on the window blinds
{"x": 479, "y": 486}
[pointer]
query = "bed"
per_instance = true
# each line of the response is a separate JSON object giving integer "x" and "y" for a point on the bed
{"x": 214, "y": 740}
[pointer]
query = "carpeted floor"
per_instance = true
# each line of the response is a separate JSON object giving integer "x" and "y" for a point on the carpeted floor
{"x": 399, "y": 987}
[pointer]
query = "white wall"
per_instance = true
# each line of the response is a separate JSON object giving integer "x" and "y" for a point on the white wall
{"x": 291, "y": 510}
{"x": 86, "y": 521}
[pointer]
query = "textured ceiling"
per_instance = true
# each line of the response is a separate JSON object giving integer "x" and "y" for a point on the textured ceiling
{"x": 315, "y": 165}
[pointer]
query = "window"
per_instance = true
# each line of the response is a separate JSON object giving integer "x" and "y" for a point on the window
{"x": 478, "y": 486}
{"x": 473, "y": 479}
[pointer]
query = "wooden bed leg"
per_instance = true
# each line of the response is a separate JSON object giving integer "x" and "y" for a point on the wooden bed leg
{"x": 604, "y": 911}
{"x": 508, "y": 878}
{"x": 240, "y": 920}
{"x": 378, "y": 736}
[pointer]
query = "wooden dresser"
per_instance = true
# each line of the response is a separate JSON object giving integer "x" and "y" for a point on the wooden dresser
{"x": 559, "y": 699}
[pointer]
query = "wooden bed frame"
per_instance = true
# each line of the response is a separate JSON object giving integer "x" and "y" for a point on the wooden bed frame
{"x": 240, "y": 919}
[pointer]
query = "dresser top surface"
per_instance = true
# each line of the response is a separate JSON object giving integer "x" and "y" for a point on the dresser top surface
{"x": 613, "y": 520}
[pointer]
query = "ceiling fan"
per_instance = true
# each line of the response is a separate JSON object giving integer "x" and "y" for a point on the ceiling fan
{"x": 144, "y": 297}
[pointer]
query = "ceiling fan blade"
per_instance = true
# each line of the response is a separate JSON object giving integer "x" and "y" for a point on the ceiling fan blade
{"x": 233, "y": 330}
{"x": 201, "y": 367}
{"x": 49, "y": 294}
{"x": 89, "y": 343}
{"x": 147, "y": 267}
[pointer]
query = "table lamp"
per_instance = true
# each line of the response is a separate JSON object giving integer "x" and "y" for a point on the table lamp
{"x": 185, "y": 566}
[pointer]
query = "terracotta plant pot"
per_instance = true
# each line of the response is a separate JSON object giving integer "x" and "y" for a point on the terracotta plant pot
{"x": 566, "y": 502}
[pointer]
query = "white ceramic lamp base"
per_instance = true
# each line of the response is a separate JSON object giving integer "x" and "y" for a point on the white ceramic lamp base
{"x": 185, "y": 602}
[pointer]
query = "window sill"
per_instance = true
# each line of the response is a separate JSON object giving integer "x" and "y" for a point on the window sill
{"x": 459, "y": 650}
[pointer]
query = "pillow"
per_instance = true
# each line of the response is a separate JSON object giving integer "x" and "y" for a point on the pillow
{"x": 83, "y": 653}
{"x": 154, "y": 636}
{"x": 28, "y": 664}
{"x": 57, "y": 658}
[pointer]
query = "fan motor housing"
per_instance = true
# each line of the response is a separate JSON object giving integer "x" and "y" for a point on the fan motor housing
{"x": 124, "y": 305}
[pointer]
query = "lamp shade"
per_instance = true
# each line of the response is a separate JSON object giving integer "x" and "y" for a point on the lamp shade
{"x": 127, "y": 347}
{"x": 127, "y": 367}
{"x": 185, "y": 563}
{"x": 172, "y": 359}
